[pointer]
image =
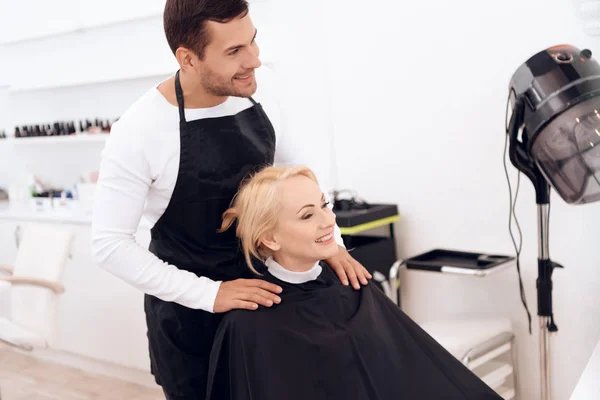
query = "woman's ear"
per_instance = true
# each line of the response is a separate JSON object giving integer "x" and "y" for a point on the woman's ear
{"x": 270, "y": 242}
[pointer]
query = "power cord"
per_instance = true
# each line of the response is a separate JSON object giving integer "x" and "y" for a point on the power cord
{"x": 512, "y": 214}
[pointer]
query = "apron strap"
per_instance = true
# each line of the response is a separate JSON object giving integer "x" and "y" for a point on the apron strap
{"x": 252, "y": 100}
{"x": 179, "y": 94}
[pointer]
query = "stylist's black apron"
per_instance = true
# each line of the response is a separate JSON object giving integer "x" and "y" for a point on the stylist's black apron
{"x": 216, "y": 155}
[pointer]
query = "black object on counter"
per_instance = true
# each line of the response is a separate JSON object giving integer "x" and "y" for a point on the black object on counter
{"x": 366, "y": 213}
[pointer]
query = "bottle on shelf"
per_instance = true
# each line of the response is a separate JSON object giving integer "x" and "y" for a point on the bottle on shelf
{"x": 65, "y": 128}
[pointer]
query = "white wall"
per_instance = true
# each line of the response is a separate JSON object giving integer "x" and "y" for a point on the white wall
{"x": 416, "y": 124}
{"x": 93, "y": 66}
{"x": 400, "y": 88}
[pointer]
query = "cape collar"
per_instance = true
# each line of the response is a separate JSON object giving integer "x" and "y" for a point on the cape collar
{"x": 288, "y": 276}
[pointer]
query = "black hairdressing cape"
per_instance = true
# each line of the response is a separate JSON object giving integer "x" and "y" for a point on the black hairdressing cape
{"x": 331, "y": 342}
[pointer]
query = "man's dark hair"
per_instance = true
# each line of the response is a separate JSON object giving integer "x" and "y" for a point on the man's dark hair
{"x": 185, "y": 21}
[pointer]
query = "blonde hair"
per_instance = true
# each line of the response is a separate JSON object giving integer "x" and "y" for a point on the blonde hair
{"x": 256, "y": 207}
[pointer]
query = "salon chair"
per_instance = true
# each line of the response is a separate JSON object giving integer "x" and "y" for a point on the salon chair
{"x": 33, "y": 285}
{"x": 478, "y": 343}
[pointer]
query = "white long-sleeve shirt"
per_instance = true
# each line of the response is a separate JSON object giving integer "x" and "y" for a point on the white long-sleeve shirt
{"x": 138, "y": 171}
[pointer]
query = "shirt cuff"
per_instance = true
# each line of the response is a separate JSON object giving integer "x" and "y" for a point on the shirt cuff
{"x": 209, "y": 292}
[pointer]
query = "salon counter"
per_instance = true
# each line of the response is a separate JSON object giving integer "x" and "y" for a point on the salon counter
{"x": 100, "y": 317}
{"x": 71, "y": 212}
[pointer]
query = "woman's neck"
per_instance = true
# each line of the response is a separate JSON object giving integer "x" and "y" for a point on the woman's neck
{"x": 294, "y": 265}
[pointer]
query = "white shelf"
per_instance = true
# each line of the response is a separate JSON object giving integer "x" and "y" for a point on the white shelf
{"x": 26, "y": 87}
{"x": 79, "y": 138}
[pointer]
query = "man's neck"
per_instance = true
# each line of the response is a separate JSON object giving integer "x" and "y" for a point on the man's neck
{"x": 194, "y": 95}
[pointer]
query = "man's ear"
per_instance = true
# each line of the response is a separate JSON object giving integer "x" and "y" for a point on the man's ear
{"x": 186, "y": 58}
{"x": 270, "y": 242}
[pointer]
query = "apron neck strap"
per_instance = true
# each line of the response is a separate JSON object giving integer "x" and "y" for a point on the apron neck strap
{"x": 179, "y": 94}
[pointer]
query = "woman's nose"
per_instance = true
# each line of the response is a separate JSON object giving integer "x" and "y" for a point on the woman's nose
{"x": 328, "y": 218}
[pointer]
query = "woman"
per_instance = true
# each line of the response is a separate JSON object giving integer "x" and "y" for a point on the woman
{"x": 324, "y": 340}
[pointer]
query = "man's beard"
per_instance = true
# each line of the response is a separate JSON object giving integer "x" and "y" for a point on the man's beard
{"x": 217, "y": 85}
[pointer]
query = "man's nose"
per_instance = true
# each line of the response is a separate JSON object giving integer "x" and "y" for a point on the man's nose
{"x": 253, "y": 61}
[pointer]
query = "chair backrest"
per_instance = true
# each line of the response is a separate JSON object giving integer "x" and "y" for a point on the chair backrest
{"x": 43, "y": 253}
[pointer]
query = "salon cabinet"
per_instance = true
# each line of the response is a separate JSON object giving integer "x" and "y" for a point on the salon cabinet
{"x": 8, "y": 245}
{"x": 8, "y": 252}
{"x": 100, "y": 317}
{"x": 368, "y": 234}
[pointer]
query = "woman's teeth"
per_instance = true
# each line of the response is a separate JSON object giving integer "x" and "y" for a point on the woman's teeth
{"x": 324, "y": 238}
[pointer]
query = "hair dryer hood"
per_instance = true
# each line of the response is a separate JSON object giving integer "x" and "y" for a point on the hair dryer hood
{"x": 560, "y": 90}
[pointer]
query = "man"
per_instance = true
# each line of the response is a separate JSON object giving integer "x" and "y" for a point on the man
{"x": 178, "y": 156}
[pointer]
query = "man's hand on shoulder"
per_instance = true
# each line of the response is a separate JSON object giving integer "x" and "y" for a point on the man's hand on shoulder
{"x": 246, "y": 294}
{"x": 348, "y": 269}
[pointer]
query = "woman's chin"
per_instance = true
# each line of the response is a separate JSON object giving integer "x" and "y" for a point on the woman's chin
{"x": 330, "y": 251}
